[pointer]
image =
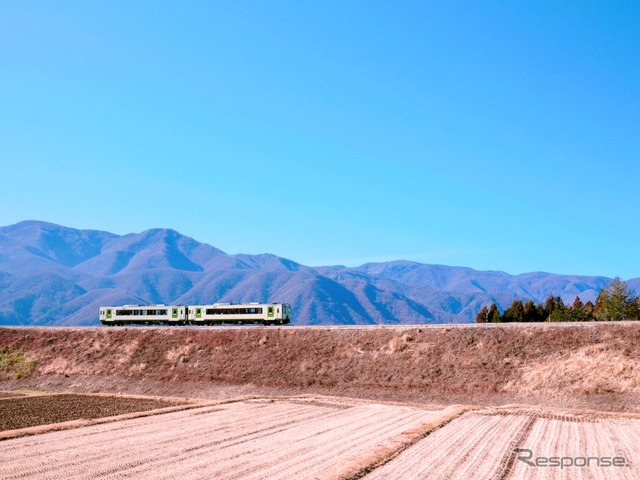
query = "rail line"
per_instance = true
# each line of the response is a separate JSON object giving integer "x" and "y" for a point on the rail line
{"x": 293, "y": 326}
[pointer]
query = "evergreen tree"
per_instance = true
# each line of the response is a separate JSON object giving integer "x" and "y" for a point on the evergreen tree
{"x": 589, "y": 307}
{"x": 530, "y": 313}
{"x": 577, "y": 304}
{"x": 574, "y": 313}
{"x": 549, "y": 305}
{"x": 515, "y": 313}
{"x": 552, "y": 304}
{"x": 494, "y": 314}
{"x": 617, "y": 302}
{"x": 483, "y": 315}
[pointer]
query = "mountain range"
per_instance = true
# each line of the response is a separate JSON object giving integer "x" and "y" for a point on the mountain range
{"x": 55, "y": 275}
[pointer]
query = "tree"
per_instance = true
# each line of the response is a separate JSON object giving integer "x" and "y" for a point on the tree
{"x": 552, "y": 304}
{"x": 483, "y": 315}
{"x": 589, "y": 307}
{"x": 515, "y": 313}
{"x": 617, "y": 302}
{"x": 574, "y": 313}
{"x": 577, "y": 304}
{"x": 494, "y": 314}
{"x": 529, "y": 311}
{"x": 533, "y": 312}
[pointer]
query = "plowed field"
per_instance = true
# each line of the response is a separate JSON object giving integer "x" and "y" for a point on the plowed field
{"x": 314, "y": 437}
{"x": 550, "y": 446}
{"x": 18, "y": 412}
{"x": 253, "y": 439}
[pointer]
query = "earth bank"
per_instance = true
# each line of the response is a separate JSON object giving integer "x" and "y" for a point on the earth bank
{"x": 593, "y": 366}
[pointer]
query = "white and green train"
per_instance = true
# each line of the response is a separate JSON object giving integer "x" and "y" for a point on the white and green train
{"x": 215, "y": 314}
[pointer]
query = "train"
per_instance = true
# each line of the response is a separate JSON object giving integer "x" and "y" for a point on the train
{"x": 214, "y": 314}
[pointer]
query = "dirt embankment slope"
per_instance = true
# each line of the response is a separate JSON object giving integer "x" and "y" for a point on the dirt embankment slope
{"x": 588, "y": 366}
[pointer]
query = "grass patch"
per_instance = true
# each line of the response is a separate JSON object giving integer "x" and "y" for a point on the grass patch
{"x": 14, "y": 364}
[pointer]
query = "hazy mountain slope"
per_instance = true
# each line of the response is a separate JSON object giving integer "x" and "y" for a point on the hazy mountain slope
{"x": 51, "y": 274}
{"x": 37, "y": 246}
{"x": 536, "y": 285}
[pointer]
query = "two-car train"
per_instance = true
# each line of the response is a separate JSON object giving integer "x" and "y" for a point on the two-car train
{"x": 215, "y": 314}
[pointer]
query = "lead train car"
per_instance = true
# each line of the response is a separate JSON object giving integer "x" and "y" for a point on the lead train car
{"x": 251, "y": 313}
{"x": 215, "y": 314}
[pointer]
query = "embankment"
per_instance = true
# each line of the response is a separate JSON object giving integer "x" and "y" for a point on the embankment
{"x": 587, "y": 366}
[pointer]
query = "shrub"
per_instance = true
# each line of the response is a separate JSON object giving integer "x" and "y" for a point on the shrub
{"x": 15, "y": 364}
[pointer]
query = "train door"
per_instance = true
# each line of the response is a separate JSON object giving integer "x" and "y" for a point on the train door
{"x": 270, "y": 311}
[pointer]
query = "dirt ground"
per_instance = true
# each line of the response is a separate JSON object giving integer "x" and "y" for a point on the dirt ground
{"x": 10, "y": 395}
{"x": 593, "y": 366}
{"x": 29, "y": 411}
{"x": 250, "y": 439}
{"x": 445, "y": 402}
{"x": 518, "y": 443}
{"x": 314, "y": 437}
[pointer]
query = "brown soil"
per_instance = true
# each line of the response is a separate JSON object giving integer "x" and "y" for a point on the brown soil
{"x": 10, "y": 395}
{"x": 24, "y": 412}
{"x": 480, "y": 444}
{"x": 250, "y": 439}
{"x": 593, "y": 366}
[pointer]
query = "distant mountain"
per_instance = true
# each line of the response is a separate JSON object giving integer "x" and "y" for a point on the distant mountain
{"x": 54, "y": 275}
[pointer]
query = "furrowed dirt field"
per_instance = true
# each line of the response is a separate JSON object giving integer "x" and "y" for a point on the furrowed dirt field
{"x": 482, "y": 444}
{"x": 19, "y": 412}
{"x": 251, "y": 439}
{"x": 323, "y": 438}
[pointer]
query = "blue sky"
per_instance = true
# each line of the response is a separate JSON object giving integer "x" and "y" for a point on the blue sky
{"x": 494, "y": 135}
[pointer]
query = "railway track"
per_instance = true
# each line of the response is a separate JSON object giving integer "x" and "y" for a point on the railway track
{"x": 503, "y": 326}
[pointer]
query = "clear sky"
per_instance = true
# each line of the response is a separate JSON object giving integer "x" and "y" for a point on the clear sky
{"x": 493, "y": 135}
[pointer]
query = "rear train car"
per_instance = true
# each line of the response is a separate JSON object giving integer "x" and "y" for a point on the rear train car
{"x": 215, "y": 314}
{"x": 144, "y": 315}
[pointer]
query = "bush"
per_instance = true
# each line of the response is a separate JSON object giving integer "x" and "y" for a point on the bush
{"x": 14, "y": 364}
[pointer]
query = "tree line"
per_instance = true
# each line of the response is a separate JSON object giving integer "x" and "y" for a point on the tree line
{"x": 615, "y": 302}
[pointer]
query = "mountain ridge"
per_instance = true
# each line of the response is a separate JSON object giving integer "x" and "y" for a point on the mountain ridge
{"x": 56, "y": 275}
